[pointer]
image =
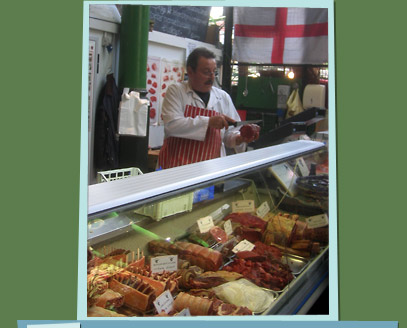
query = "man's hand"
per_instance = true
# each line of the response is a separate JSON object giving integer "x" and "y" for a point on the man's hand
{"x": 220, "y": 122}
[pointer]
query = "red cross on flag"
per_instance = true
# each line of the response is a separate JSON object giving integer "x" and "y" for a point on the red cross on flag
{"x": 280, "y": 35}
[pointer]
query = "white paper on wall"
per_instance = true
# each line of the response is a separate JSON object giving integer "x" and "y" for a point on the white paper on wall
{"x": 160, "y": 74}
{"x": 153, "y": 82}
{"x": 171, "y": 72}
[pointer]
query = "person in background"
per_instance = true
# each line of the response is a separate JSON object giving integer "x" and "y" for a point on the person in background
{"x": 197, "y": 115}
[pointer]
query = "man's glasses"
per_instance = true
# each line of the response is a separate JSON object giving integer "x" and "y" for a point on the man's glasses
{"x": 210, "y": 73}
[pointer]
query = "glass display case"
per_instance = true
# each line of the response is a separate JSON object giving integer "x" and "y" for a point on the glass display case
{"x": 248, "y": 234}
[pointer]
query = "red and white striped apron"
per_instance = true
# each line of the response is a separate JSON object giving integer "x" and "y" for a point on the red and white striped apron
{"x": 181, "y": 151}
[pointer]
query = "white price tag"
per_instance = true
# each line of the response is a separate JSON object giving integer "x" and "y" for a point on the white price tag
{"x": 217, "y": 213}
{"x": 286, "y": 176}
{"x": 167, "y": 263}
{"x": 244, "y": 245}
{"x": 303, "y": 167}
{"x": 184, "y": 313}
{"x": 205, "y": 224}
{"x": 228, "y": 227}
{"x": 317, "y": 221}
{"x": 263, "y": 210}
{"x": 164, "y": 302}
{"x": 243, "y": 206}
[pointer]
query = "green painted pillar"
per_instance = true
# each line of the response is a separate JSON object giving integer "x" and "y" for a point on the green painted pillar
{"x": 133, "y": 150}
{"x": 133, "y": 46}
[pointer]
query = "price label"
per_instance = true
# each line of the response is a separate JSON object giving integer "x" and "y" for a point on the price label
{"x": 243, "y": 206}
{"x": 302, "y": 167}
{"x": 167, "y": 263}
{"x": 184, "y": 313}
{"x": 317, "y": 221}
{"x": 216, "y": 213}
{"x": 205, "y": 224}
{"x": 244, "y": 245}
{"x": 228, "y": 227}
{"x": 164, "y": 302}
{"x": 263, "y": 210}
{"x": 285, "y": 175}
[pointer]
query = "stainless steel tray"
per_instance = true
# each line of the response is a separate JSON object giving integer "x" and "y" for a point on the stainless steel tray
{"x": 297, "y": 264}
{"x": 275, "y": 295}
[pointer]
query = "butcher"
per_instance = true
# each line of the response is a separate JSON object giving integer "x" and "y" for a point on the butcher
{"x": 197, "y": 115}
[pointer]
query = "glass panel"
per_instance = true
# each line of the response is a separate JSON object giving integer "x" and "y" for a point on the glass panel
{"x": 267, "y": 228}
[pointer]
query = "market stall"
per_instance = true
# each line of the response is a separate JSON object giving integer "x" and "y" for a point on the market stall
{"x": 242, "y": 234}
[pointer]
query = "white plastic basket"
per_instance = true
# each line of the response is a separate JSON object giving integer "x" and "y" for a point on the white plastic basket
{"x": 175, "y": 205}
{"x": 156, "y": 211}
{"x": 106, "y": 176}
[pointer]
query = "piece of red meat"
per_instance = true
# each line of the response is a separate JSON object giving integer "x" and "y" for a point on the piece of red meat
{"x": 250, "y": 255}
{"x": 249, "y": 131}
{"x": 218, "y": 234}
{"x": 250, "y": 234}
{"x": 267, "y": 250}
{"x": 247, "y": 220}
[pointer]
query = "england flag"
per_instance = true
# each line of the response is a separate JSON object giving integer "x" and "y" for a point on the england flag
{"x": 280, "y": 35}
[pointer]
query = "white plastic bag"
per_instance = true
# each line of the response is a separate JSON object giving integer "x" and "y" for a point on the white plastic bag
{"x": 133, "y": 113}
{"x": 244, "y": 293}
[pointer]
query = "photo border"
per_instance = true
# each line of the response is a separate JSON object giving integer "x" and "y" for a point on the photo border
{"x": 83, "y": 192}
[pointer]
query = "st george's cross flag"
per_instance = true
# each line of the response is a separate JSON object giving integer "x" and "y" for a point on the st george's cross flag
{"x": 280, "y": 35}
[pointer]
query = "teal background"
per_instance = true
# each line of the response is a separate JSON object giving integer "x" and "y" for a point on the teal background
{"x": 41, "y": 57}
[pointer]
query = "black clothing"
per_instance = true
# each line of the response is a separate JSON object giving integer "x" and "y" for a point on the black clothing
{"x": 106, "y": 145}
{"x": 204, "y": 96}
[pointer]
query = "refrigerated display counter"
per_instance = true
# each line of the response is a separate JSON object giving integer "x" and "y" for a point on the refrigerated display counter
{"x": 241, "y": 218}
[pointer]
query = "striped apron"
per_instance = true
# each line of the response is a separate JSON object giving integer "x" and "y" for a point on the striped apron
{"x": 181, "y": 151}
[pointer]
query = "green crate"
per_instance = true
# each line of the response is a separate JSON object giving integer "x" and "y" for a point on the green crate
{"x": 119, "y": 174}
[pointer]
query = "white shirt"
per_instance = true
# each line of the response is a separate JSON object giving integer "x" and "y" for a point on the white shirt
{"x": 178, "y": 96}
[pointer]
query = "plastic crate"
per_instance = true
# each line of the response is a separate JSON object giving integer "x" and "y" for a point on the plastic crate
{"x": 168, "y": 207}
{"x": 106, "y": 176}
{"x": 156, "y": 211}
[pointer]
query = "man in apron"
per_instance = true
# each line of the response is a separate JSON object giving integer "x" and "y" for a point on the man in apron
{"x": 196, "y": 116}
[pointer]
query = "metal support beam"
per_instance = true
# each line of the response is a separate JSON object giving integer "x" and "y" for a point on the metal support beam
{"x": 227, "y": 50}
